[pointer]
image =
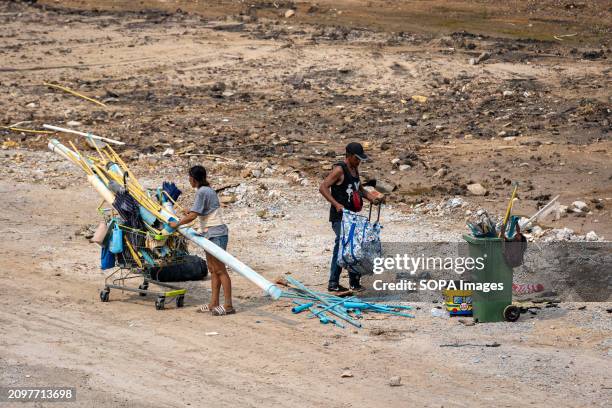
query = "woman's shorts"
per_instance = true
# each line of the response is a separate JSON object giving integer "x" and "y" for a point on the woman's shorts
{"x": 220, "y": 241}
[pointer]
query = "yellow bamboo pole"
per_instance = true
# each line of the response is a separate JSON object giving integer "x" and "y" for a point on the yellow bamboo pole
{"x": 124, "y": 166}
{"x": 134, "y": 254}
{"x": 81, "y": 160}
{"x": 70, "y": 91}
{"x": 508, "y": 210}
{"x": 16, "y": 129}
{"x": 93, "y": 142}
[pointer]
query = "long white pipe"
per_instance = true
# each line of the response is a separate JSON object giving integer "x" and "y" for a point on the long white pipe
{"x": 189, "y": 233}
{"x": 218, "y": 252}
{"x": 76, "y": 132}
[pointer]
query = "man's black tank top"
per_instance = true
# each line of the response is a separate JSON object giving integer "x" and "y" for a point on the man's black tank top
{"x": 343, "y": 192}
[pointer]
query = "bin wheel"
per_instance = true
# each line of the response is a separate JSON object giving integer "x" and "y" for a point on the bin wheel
{"x": 512, "y": 313}
{"x": 104, "y": 294}
{"x": 180, "y": 301}
{"x": 144, "y": 286}
{"x": 159, "y": 303}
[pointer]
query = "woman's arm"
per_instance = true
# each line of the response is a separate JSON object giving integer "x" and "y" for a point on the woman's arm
{"x": 186, "y": 219}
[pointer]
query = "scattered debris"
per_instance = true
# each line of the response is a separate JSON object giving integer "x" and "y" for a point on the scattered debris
{"x": 70, "y": 91}
{"x": 419, "y": 98}
{"x": 482, "y": 57}
{"x": 395, "y": 381}
{"x": 494, "y": 344}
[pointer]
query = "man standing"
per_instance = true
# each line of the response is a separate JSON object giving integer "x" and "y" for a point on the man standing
{"x": 343, "y": 189}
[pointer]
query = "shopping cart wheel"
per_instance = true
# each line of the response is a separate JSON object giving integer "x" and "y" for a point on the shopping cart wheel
{"x": 180, "y": 301}
{"x": 144, "y": 286}
{"x": 512, "y": 313}
{"x": 159, "y": 303}
{"x": 104, "y": 295}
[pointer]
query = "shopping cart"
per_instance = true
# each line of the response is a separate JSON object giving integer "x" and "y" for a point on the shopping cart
{"x": 146, "y": 253}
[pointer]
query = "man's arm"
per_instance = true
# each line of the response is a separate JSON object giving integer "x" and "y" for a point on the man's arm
{"x": 373, "y": 197}
{"x": 325, "y": 188}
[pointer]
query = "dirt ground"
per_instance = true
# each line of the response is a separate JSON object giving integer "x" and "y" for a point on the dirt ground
{"x": 268, "y": 102}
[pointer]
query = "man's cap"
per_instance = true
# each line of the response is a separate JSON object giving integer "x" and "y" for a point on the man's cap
{"x": 356, "y": 149}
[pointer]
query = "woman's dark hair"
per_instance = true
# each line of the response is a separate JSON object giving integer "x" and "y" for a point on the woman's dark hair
{"x": 199, "y": 175}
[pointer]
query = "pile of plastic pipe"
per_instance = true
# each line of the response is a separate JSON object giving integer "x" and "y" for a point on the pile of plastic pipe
{"x": 334, "y": 309}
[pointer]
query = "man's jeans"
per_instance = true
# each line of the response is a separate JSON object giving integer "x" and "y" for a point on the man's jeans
{"x": 335, "y": 270}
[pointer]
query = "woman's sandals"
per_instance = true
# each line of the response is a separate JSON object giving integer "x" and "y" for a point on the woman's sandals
{"x": 216, "y": 311}
{"x": 222, "y": 311}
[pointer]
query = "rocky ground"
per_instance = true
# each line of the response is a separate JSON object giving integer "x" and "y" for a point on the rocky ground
{"x": 266, "y": 95}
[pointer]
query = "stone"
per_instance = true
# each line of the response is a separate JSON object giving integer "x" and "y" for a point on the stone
{"x": 168, "y": 152}
{"x": 404, "y": 167}
{"x": 564, "y": 234}
{"x": 218, "y": 87}
{"x": 419, "y": 98}
{"x": 395, "y": 161}
{"x": 385, "y": 146}
{"x": 289, "y": 13}
{"x": 537, "y": 231}
{"x": 455, "y": 202}
{"x": 441, "y": 172}
{"x": 385, "y": 187}
{"x": 482, "y": 57}
{"x": 395, "y": 381}
{"x": 477, "y": 189}
{"x": 346, "y": 374}
{"x": 73, "y": 123}
{"x": 580, "y": 205}
{"x": 228, "y": 199}
{"x": 508, "y": 93}
{"x": 591, "y": 236}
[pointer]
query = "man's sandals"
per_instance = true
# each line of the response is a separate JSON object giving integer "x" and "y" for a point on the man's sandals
{"x": 216, "y": 311}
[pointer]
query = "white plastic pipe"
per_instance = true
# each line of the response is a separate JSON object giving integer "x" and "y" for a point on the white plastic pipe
{"x": 218, "y": 252}
{"x": 76, "y": 132}
{"x": 56, "y": 147}
{"x": 101, "y": 188}
{"x": 189, "y": 233}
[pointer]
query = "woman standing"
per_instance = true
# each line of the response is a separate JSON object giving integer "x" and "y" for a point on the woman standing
{"x": 208, "y": 211}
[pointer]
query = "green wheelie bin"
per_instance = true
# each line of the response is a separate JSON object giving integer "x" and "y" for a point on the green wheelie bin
{"x": 495, "y": 305}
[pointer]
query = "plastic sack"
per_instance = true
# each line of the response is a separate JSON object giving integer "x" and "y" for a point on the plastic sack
{"x": 116, "y": 241}
{"x": 100, "y": 234}
{"x": 359, "y": 243}
{"x": 107, "y": 259}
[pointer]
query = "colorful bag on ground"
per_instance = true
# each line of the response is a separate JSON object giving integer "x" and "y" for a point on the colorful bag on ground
{"x": 116, "y": 241}
{"x": 359, "y": 243}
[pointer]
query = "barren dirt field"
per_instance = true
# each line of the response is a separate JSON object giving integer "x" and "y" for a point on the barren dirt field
{"x": 443, "y": 94}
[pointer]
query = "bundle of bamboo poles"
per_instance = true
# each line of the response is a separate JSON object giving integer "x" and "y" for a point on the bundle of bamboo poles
{"x": 327, "y": 307}
{"x": 107, "y": 167}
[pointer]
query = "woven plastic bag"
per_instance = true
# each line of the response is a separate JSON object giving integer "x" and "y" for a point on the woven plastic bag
{"x": 359, "y": 243}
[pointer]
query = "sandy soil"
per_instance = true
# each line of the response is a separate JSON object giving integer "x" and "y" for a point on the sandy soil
{"x": 251, "y": 86}
{"x": 125, "y": 353}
